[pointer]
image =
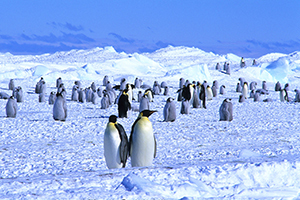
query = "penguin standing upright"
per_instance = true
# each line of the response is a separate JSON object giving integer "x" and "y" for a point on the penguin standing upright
{"x": 19, "y": 95}
{"x": 166, "y": 91}
{"x": 264, "y": 85}
{"x": 11, "y": 107}
{"x": 116, "y": 144}
{"x": 105, "y": 80}
{"x": 238, "y": 87}
{"x": 75, "y": 95}
{"x": 283, "y": 95}
{"x": 209, "y": 93}
{"x": 11, "y": 84}
{"x": 226, "y": 110}
{"x": 222, "y": 89}
{"x": 142, "y": 141}
{"x": 52, "y": 98}
{"x": 185, "y": 107}
{"x": 202, "y": 95}
{"x": 58, "y": 82}
{"x": 60, "y": 107}
{"x": 144, "y": 103}
{"x": 149, "y": 94}
{"x": 214, "y": 91}
{"x": 170, "y": 110}
{"x": 245, "y": 90}
{"x": 124, "y": 104}
{"x": 277, "y": 86}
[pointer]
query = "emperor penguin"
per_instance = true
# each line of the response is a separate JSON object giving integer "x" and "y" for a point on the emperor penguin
{"x": 238, "y": 87}
{"x": 181, "y": 83}
{"x": 209, "y": 93}
{"x": 277, "y": 86}
{"x": 264, "y": 85}
{"x": 149, "y": 94}
{"x": 123, "y": 84}
{"x": 124, "y": 104}
{"x": 196, "y": 100}
{"x": 60, "y": 107}
{"x": 226, "y": 110}
{"x": 43, "y": 87}
{"x": 253, "y": 85}
{"x": 38, "y": 86}
{"x": 142, "y": 141}
{"x": 228, "y": 70}
{"x": 58, "y": 81}
{"x": 188, "y": 92}
{"x": 104, "y": 102}
{"x": 185, "y": 107}
{"x": 93, "y": 87}
{"x": 99, "y": 91}
{"x": 137, "y": 83}
{"x": 202, "y": 95}
{"x": 283, "y": 95}
{"x": 215, "y": 83}
{"x": 105, "y": 80}
{"x": 88, "y": 94}
{"x": 245, "y": 90}
{"x": 116, "y": 144}
{"x": 166, "y": 91}
{"x": 52, "y": 98}
{"x": 140, "y": 95}
{"x": 75, "y": 94}
{"x": 218, "y": 67}
{"x": 214, "y": 91}
{"x": 19, "y": 95}
{"x": 156, "y": 89}
{"x": 169, "y": 110}
{"x": 11, "y": 107}
{"x": 129, "y": 88}
{"x": 11, "y": 84}
{"x": 297, "y": 96}
{"x": 95, "y": 98}
{"x": 222, "y": 89}
{"x": 144, "y": 103}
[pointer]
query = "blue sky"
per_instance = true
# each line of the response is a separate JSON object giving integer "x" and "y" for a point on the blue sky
{"x": 249, "y": 28}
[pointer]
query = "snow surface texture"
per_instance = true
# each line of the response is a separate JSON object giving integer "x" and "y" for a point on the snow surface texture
{"x": 254, "y": 156}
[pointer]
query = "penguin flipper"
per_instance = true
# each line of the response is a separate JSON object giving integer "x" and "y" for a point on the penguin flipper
{"x": 116, "y": 87}
{"x": 154, "y": 146}
{"x": 130, "y": 138}
{"x": 124, "y": 144}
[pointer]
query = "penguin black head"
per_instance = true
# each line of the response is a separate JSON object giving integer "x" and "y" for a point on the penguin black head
{"x": 125, "y": 91}
{"x": 147, "y": 113}
{"x": 11, "y": 97}
{"x": 113, "y": 118}
{"x": 170, "y": 99}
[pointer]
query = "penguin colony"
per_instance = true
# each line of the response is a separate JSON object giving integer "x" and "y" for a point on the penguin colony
{"x": 141, "y": 146}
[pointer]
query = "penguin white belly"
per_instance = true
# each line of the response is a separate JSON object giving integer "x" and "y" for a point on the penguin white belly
{"x": 209, "y": 94}
{"x": 143, "y": 146}
{"x": 245, "y": 91}
{"x": 112, "y": 148}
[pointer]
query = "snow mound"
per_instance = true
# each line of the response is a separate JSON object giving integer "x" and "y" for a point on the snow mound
{"x": 279, "y": 69}
{"x": 40, "y": 70}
